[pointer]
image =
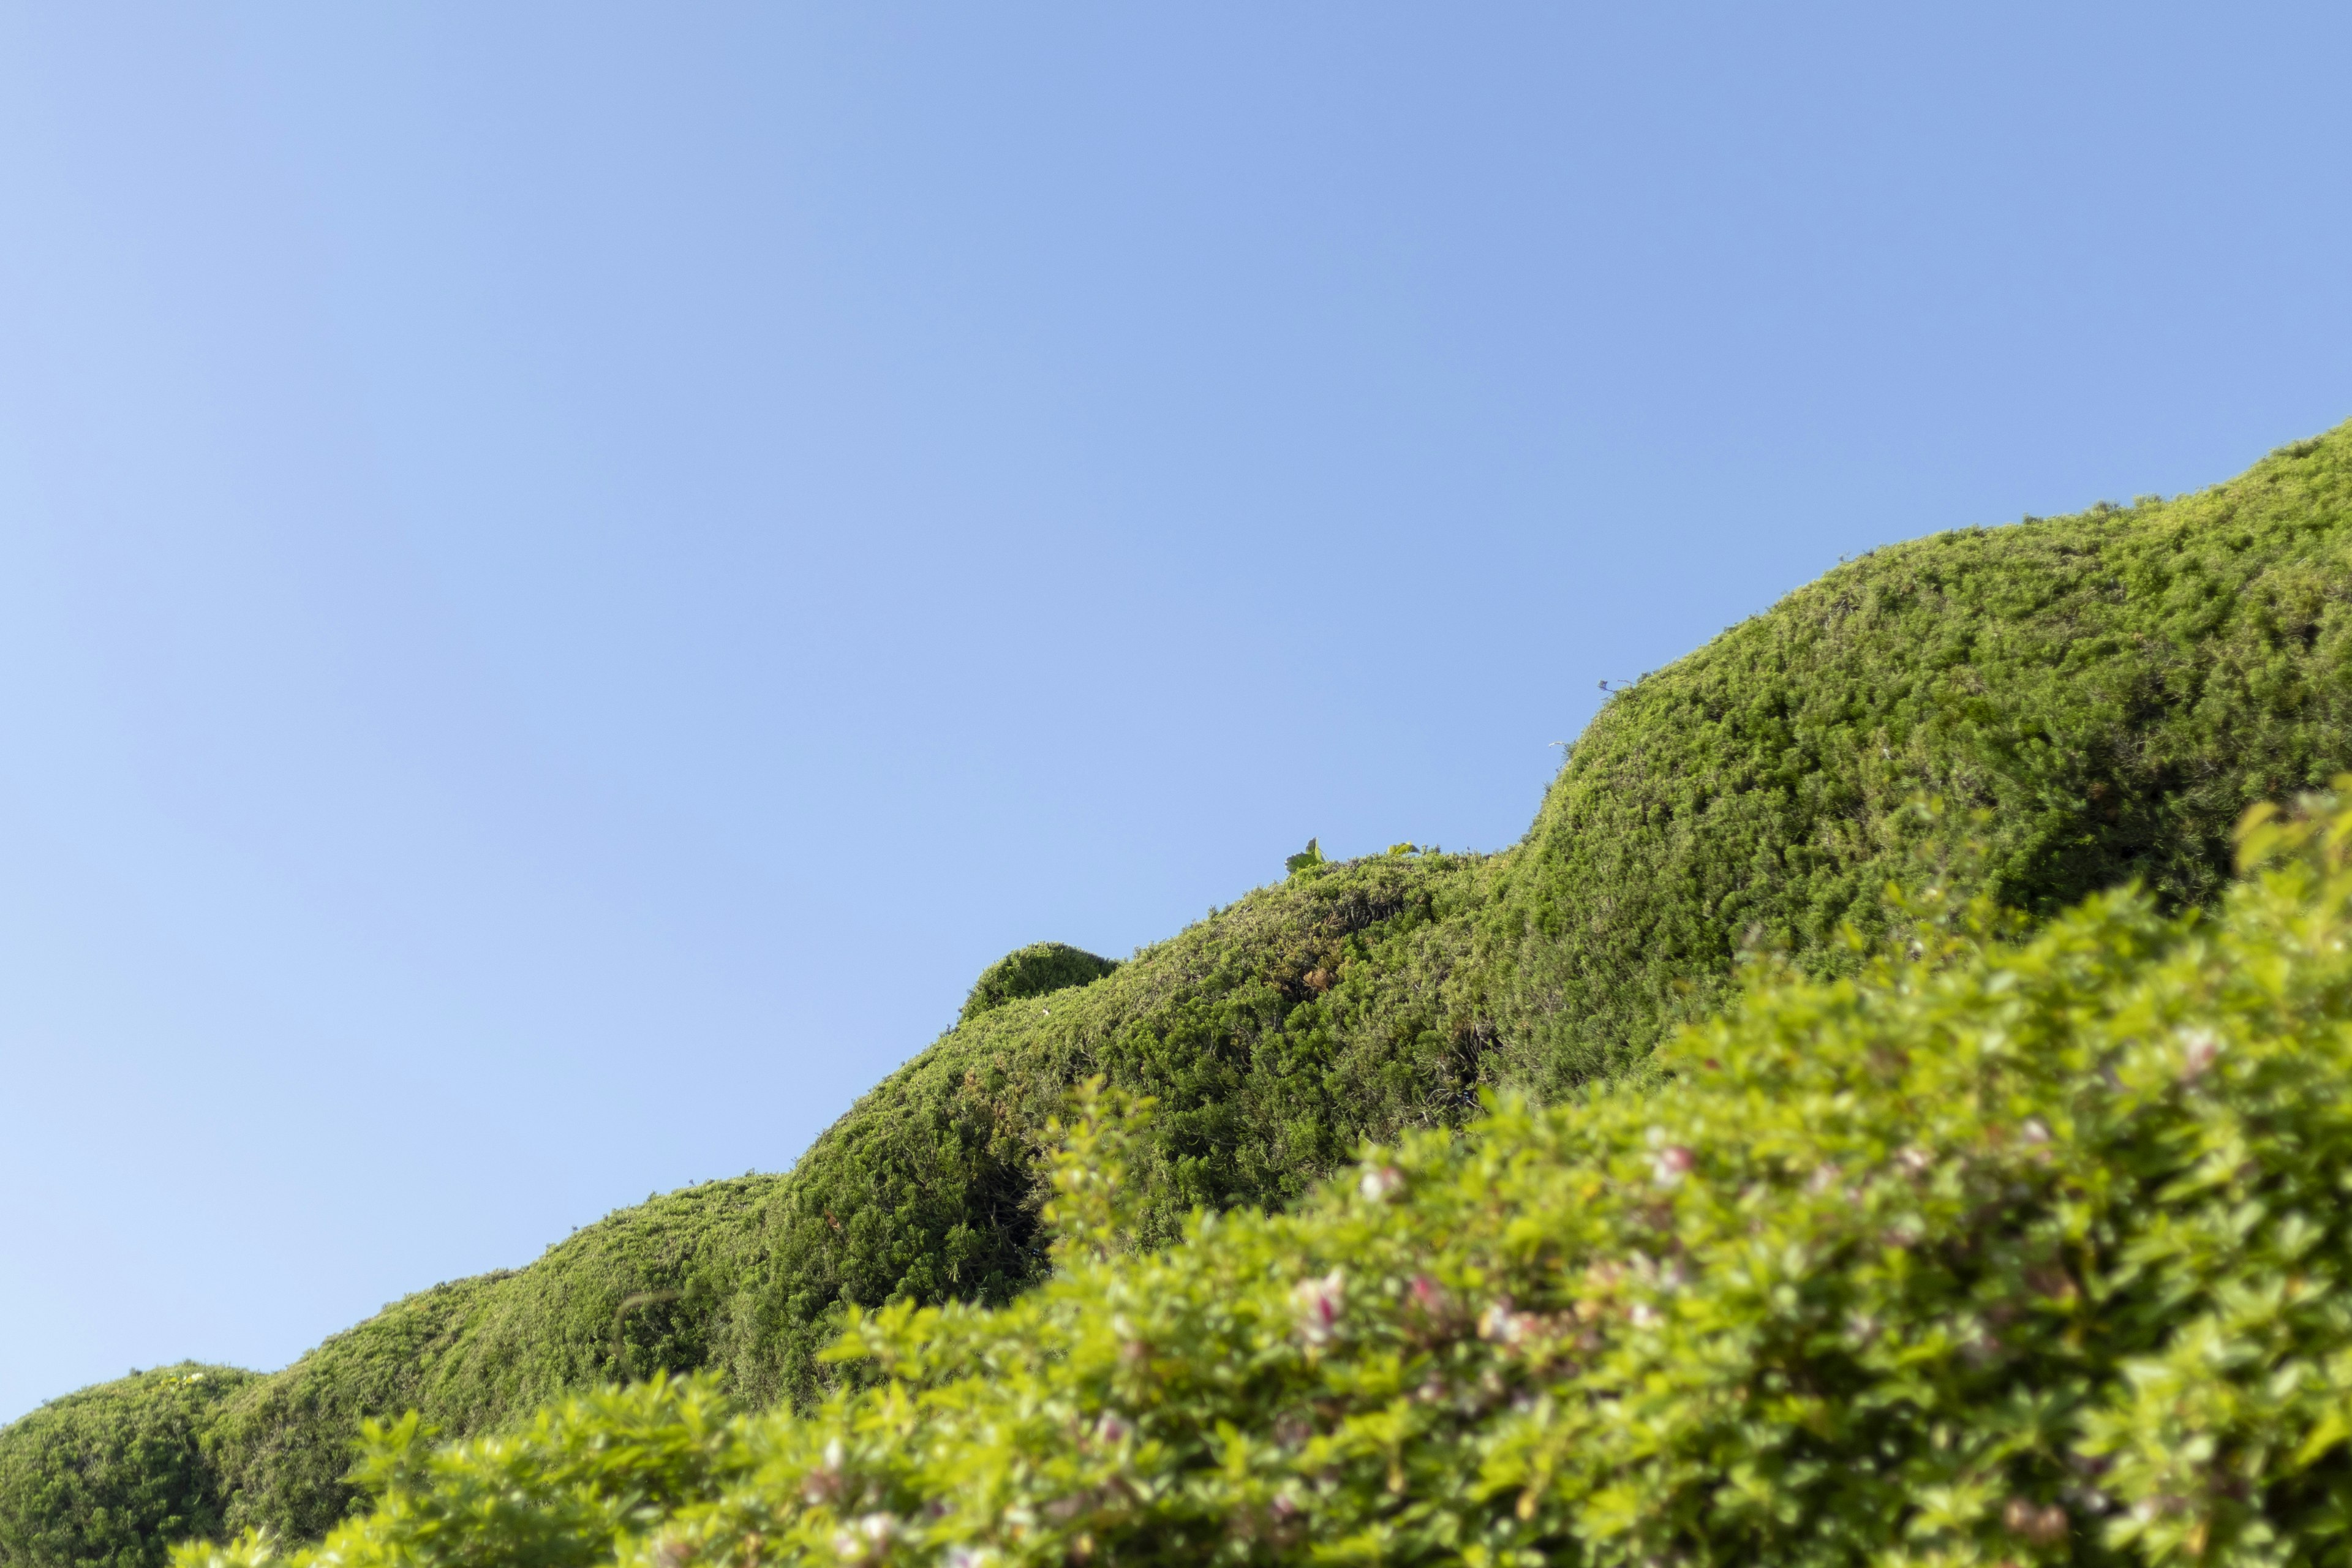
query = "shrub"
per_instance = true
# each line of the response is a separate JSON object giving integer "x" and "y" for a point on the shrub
{"x": 1036, "y": 970}
{"x": 1992, "y": 1255}
{"x": 109, "y": 1478}
{"x": 2113, "y": 688}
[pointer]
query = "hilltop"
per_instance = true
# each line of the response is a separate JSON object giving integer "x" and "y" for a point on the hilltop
{"x": 2094, "y": 699}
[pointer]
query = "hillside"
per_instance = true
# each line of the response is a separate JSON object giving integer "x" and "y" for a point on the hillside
{"x": 2109, "y": 691}
{"x": 2003, "y": 1253}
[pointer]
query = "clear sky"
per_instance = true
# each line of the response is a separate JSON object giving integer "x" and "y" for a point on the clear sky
{"x": 568, "y": 575}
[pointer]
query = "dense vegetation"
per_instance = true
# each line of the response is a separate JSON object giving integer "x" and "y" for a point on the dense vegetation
{"x": 1038, "y": 970}
{"x": 112, "y": 1475}
{"x": 2114, "y": 688}
{"x": 2104, "y": 691}
{"x": 1992, "y": 1256}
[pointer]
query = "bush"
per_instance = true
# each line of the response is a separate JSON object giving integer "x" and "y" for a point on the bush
{"x": 1989, "y": 1255}
{"x": 110, "y": 1476}
{"x": 1038, "y": 970}
{"x": 2113, "y": 688}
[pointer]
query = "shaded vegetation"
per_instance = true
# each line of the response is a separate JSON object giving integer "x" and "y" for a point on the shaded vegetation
{"x": 1991, "y": 1256}
{"x": 2108, "y": 690}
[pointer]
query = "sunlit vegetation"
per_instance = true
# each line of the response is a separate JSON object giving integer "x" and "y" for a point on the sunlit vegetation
{"x": 2094, "y": 699}
{"x": 112, "y": 1475}
{"x": 1989, "y": 1255}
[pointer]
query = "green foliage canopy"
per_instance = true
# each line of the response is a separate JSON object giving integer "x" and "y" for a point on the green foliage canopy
{"x": 1038, "y": 970}
{"x": 1993, "y": 1256}
{"x": 2112, "y": 688}
{"x": 109, "y": 1476}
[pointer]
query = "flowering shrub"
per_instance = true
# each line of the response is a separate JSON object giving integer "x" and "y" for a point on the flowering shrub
{"x": 1998, "y": 1255}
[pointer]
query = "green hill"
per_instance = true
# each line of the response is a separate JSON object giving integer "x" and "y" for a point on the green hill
{"x": 2109, "y": 690}
{"x": 2023, "y": 1254}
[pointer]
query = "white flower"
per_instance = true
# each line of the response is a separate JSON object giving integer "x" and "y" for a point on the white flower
{"x": 1379, "y": 1182}
{"x": 1502, "y": 1325}
{"x": 1318, "y": 1303}
{"x": 867, "y": 1540}
{"x": 2197, "y": 1049}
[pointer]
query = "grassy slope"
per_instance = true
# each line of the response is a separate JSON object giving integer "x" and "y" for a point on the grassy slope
{"x": 2113, "y": 688}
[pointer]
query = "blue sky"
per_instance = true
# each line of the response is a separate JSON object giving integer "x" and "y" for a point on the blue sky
{"x": 568, "y": 575}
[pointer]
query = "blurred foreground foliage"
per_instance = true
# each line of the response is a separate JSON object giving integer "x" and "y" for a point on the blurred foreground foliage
{"x": 1986, "y": 1254}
